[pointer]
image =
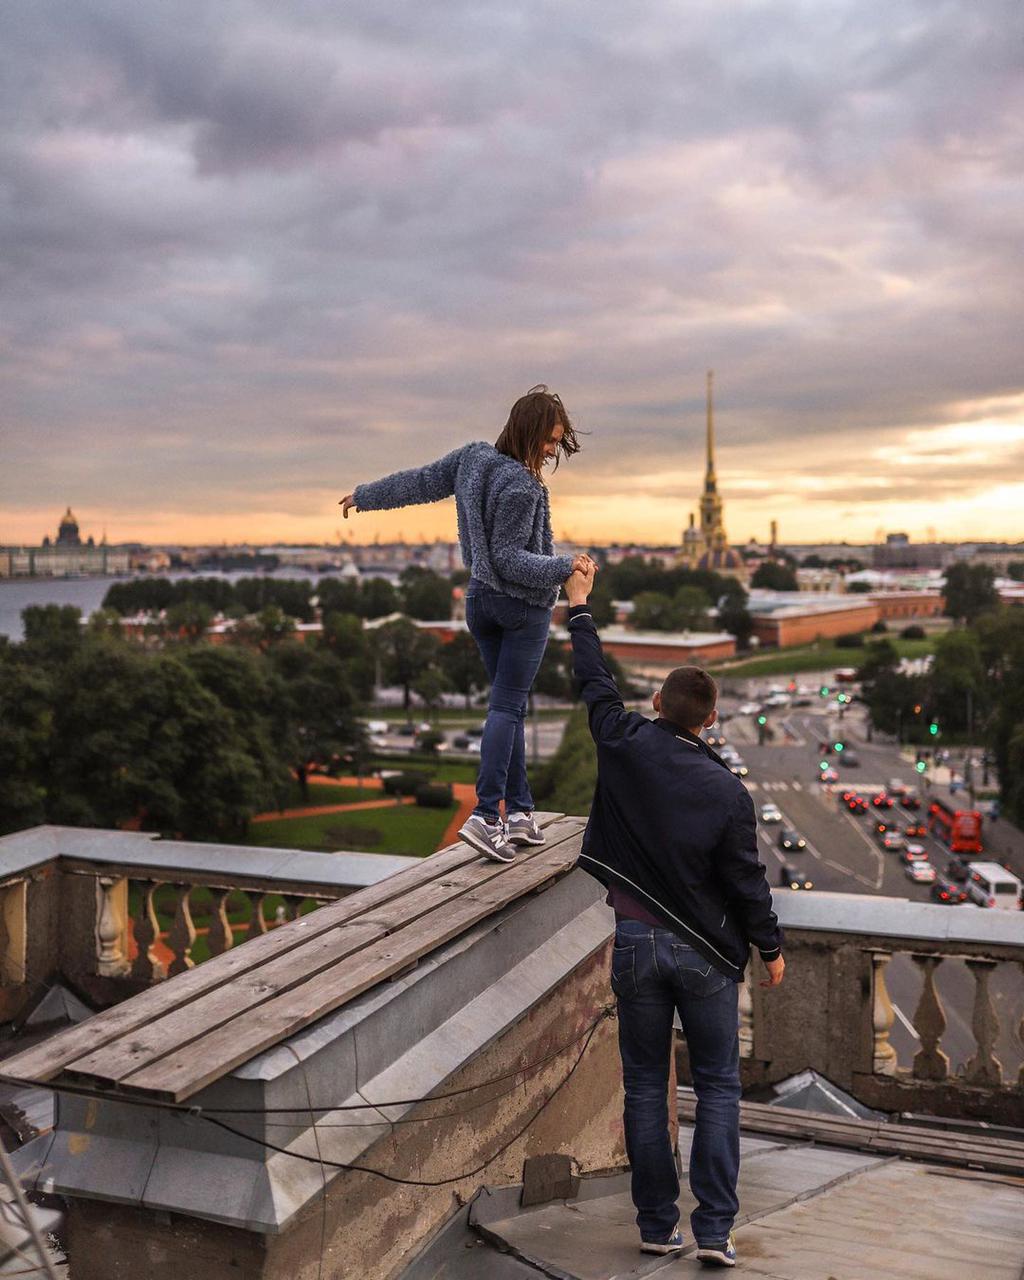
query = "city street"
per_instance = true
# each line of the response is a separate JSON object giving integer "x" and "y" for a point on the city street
{"x": 842, "y": 856}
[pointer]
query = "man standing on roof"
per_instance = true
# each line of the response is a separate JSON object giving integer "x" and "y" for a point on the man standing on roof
{"x": 672, "y": 833}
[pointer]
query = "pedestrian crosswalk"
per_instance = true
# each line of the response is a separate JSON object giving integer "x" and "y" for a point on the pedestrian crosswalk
{"x": 774, "y": 786}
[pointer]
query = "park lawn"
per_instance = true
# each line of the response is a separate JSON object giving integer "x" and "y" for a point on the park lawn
{"x": 823, "y": 658}
{"x": 321, "y": 793}
{"x": 438, "y": 768}
{"x": 404, "y": 829}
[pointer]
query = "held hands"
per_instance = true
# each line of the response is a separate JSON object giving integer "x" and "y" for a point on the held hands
{"x": 580, "y": 582}
{"x": 345, "y": 503}
{"x": 776, "y": 968}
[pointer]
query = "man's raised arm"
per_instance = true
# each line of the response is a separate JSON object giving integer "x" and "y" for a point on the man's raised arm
{"x": 608, "y": 717}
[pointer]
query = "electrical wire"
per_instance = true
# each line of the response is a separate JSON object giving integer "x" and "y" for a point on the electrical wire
{"x": 415, "y": 1182}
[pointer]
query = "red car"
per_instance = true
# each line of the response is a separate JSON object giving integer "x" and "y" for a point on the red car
{"x": 915, "y": 830}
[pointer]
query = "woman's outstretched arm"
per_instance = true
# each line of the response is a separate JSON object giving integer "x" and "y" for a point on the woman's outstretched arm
{"x": 407, "y": 488}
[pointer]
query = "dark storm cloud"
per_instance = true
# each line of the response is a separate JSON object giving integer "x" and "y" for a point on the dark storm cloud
{"x": 342, "y": 232}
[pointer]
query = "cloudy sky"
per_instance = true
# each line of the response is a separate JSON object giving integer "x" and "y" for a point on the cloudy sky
{"x": 253, "y": 253}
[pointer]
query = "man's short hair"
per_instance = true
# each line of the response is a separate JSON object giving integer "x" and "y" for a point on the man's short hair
{"x": 688, "y": 696}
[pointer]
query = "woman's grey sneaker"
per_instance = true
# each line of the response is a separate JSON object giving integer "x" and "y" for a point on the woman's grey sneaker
{"x": 672, "y": 1245}
{"x": 718, "y": 1255}
{"x": 521, "y": 828}
{"x": 487, "y": 838}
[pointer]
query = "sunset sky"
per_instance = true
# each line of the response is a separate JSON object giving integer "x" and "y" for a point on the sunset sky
{"x": 256, "y": 253}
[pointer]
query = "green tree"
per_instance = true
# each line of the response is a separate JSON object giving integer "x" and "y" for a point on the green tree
{"x": 859, "y": 588}
{"x": 774, "y": 577}
{"x": 958, "y": 681}
{"x": 344, "y": 636}
{"x": 404, "y": 652}
{"x": 53, "y": 632}
{"x": 26, "y": 714}
{"x": 566, "y": 783}
{"x": 377, "y": 598}
{"x": 1015, "y": 570}
{"x": 317, "y": 711}
{"x": 733, "y": 614}
{"x": 969, "y": 590}
{"x": 136, "y": 736}
{"x": 188, "y": 620}
{"x": 653, "y": 611}
{"x": 690, "y": 608}
{"x": 425, "y": 595}
{"x": 462, "y": 665}
{"x": 429, "y": 686}
{"x": 338, "y": 595}
{"x": 602, "y": 604}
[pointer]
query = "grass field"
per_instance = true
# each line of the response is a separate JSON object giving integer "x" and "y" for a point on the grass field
{"x": 404, "y": 829}
{"x": 822, "y": 657}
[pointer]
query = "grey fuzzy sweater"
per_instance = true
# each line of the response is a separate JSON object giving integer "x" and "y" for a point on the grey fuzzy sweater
{"x": 503, "y": 515}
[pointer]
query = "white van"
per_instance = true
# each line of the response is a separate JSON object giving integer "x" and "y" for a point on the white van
{"x": 991, "y": 885}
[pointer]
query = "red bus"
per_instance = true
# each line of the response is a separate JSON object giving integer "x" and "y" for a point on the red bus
{"x": 957, "y": 827}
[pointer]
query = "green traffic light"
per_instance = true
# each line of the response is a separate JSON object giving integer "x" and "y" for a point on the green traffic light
{"x": 839, "y": 746}
{"x": 921, "y": 766}
{"x": 823, "y": 765}
{"x": 824, "y": 691}
{"x": 762, "y": 719}
{"x": 933, "y": 729}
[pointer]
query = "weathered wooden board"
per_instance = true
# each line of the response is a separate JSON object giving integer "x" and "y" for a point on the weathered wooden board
{"x": 247, "y": 991}
{"x": 44, "y": 1061}
{"x": 182, "y": 1073}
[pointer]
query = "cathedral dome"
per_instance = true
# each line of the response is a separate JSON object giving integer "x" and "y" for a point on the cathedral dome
{"x": 719, "y": 558}
{"x": 67, "y": 534}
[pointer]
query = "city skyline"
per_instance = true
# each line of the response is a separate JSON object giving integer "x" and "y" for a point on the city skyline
{"x": 257, "y": 255}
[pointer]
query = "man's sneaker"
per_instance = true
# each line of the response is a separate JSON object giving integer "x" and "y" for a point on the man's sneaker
{"x": 722, "y": 1254}
{"x": 672, "y": 1245}
{"x": 487, "y": 838}
{"x": 521, "y": 828}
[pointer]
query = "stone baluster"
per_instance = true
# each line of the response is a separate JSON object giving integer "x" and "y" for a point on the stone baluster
{"x": 182, "y": 934}
{"x": 1020, "y": 1037}
{"x": 984, "y": 1067}
{"x": 111, "y": 906}
{"x": 882, "y": 1017}
{"x": 292, "y": 903}
{"x": 930, "y": 1063}
{"x": 257, "y": 924}
{"x": 220, "y": 937}
{"x": 147, "y": 967}
{"x": 746, "y": 1017}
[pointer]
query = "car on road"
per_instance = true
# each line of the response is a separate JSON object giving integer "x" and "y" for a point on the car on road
{"x": 477, "y": 731}
{"x": 893, "y": 842}
{"x": 915, "y": 853}
{"x": 948, "y": 892}
{"x": 792, "y": 878}
{"x": 920, "y": 872}
{"x": 882, "y": 800}
{"x": 957, "y": 870}
{"x": 910, "y": 800}
{"x": 749, "y": 708}
{"x": 914, "y": 830}
{"x": 771, "y": 813}
{"x": 737, "y": 768}
{"x": 716, "y": 736}
{"x": 828, "y": 775}
{"x": 791, "y": 840}
{"x": 463, "y": 743}
{"x": 775, "y": 700}
{"x": 991, "y": 885}
{"x": 897, "y": 787}
{"x": 851, "y": 759}
{"x": 880, "y": 826}
{"x": 854, "y": 801}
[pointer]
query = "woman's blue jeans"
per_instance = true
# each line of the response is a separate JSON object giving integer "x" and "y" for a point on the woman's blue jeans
{"x": 654, "y": 974}
{"x": 511, "y": 636}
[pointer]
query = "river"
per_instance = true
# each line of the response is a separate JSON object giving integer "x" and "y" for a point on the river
{"x": 87, "y": 593}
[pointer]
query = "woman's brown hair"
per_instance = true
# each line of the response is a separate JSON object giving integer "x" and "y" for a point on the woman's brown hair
{"x": 529, "y": 427}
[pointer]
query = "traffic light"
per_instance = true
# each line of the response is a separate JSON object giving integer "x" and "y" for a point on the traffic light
{"x": 843, "y": 697}
{"x": 933, "y": 728}
{"x": 823, "y": 765}
{"x": 921, "y": 766}
{"x": 839, "y": 746}
{"x": 762, "y": 719}
{"x": 824, "y": 690}
{"x": 917, "y": 709}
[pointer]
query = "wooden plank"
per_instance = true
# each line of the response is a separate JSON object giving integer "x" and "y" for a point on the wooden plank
{"x": 42, "y": 1062}
{"x": 183, "y": 1073}
{"x": 246, "y": 992}
{"x": 997, "y": 1154}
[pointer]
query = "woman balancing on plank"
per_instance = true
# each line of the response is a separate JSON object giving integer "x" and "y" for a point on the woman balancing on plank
{"x": 504, "y": 522}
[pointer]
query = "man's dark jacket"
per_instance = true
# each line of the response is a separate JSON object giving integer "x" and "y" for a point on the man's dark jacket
{"x": 670, "y": 824}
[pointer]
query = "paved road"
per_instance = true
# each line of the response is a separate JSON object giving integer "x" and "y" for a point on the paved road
{"x": 841, "y": 856}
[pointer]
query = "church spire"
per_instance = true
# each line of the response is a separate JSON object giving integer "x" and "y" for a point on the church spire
{"x": 711, "y": 427}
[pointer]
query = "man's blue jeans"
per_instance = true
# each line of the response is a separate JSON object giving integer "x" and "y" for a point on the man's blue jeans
{"x": 654, "y": 974}
{"x": 511, "y": 636}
